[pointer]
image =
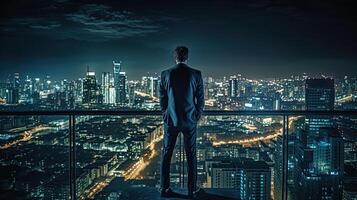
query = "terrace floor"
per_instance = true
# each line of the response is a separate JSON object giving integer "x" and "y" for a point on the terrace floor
{"x": 151, "y": 193}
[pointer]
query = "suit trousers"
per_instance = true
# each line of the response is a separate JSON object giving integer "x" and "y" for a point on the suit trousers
{"x": 170, "y": 137}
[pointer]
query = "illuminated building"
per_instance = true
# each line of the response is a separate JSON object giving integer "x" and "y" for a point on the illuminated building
{"x": 320, "y": 96}
{"x": 90, "y": 89}
{"x": 251, "y": 178}
{"x": 233, "y": 87}
{"x": 108, "y": 89}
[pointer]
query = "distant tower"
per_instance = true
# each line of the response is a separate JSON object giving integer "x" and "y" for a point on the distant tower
{"x": 108, "y": 89}
{"x": 116, "y": 67}
{"x": 13, "y": 90}
{"x": 120, "y": 83}
{"x": 320, "y": 167}
{"x": 122, "y": 88}
{"x": 328, "y": 154}
{"x": 154, "y": 86}
{"x": 233, "y": 87}
{"x": 90, "y": 88}
{"x": 320, "y": 96}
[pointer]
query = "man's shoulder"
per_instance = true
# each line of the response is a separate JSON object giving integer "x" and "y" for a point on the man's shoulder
{"x": 170, "y": 68}
{"x": 191, "y": 69}
{"x": 164, "y": 72}
{"x": 196, "y": 72}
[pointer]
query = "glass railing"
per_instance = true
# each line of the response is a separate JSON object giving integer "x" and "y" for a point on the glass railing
{"x": 116, "y": 154}
{"x": 34, "y": 157}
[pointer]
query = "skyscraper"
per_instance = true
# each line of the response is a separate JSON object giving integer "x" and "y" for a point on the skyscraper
{"x": 27, "y": 89}
{"x": 322, "y": 179}
{"x": 120, "y": 83}
{"x": 320, "y": 173}
{"x": 3, "y": 88}
{"x": 13, "y": 90}
{"x": 318, "y": 168}
{"x": 251, "y": 178}
{"x": 78, "y": 90}
{"x": 108, "y": 89}
{"x": 233, "y": 87}
{"x": 116, "y": 76}
{"x": 121, "y": 88}
{"x": 12, "y": 95}
{"x": 328, "y": 154}
{"x": 320, "y": 96}
{"x": 90, "y": 88}
{"x": 154, "y": 86}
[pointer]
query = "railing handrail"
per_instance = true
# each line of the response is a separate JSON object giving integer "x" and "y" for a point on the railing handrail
{"x": 158, "y": 112}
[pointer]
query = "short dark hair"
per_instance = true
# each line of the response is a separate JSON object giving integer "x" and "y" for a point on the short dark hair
{"x": 181, "y": 53}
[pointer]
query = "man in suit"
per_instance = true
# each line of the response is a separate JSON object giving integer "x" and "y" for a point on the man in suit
{"x": 182, "y": 103}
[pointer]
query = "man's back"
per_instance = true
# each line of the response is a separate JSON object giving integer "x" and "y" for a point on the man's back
{"x": 181, "y": 95}
{"x": 182, "y": 102}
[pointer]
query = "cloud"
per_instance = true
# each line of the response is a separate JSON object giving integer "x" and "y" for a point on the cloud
{"x": 30, "y": 23}
{"x": 91, "y": 22}
{"x": 104, "y": 22}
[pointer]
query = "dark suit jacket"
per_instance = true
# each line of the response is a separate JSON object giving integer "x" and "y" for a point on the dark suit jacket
{"x": 181, "y": 96}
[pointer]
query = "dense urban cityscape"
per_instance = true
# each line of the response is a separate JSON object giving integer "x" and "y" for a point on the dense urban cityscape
{"x": 118, "y": 154}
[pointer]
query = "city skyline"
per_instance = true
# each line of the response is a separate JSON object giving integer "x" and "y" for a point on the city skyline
{"x": 98, "y": 74}
{"x": 83, "y": 99}
{"x": 261, "y": 39}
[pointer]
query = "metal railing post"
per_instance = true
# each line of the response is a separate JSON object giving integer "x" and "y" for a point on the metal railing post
{"x": 183, "y": 161}
{"x": 285, "y": 156}
{"x": 72, "y": 156}
{"x": 180, "y": 158}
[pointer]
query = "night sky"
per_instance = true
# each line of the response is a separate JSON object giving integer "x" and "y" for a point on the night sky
{"x": 259, "y": 39}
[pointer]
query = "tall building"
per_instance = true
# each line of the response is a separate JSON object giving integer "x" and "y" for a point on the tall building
{"x": 106, "y": 76}
{"x": 277, "y": 101}
{"x": 47, "y": 83}
{"x": 233, "y": 87}
{"x": 116, "y": 68}
{"x": 108, "y": 89}
{"x": 90, "y": 88}
{"x": 116, "y": 77}
{"x": 12, "y": 95}
{"x": 320, "y": 96}
{"x": 3, "y": 88}
{"x": 319, "y": 167}
{"x": 251, "y": 178}
{"x": 120, "y": 83}
{"x": 27, "y": 89}
{"x": 36, "y": 85}
{"x": 16, "y": 80}
{"x": 328, "y": 155}
{"x": 146, "y": 84}
{"x": 154, "y": 86}
{"x": 278, "y": 167}
{"x": 121, "y": 89}
{"x": 78, "y": 90}
{"x": 13, "y": 90}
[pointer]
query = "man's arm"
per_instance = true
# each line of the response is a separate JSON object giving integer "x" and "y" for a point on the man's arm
{"x": 163, "y": 94}
{"x": 200, "y": 96}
